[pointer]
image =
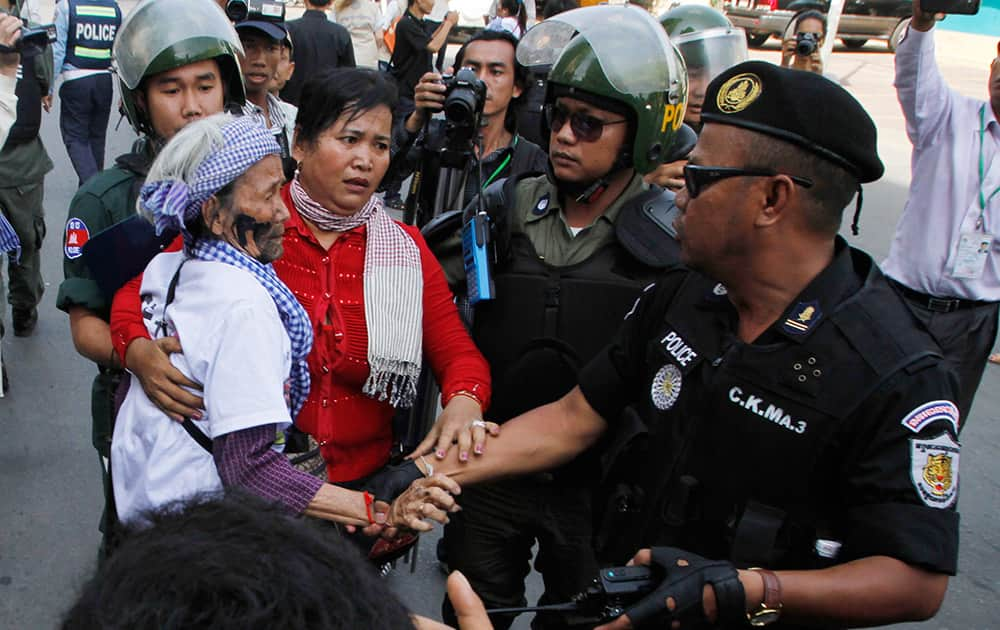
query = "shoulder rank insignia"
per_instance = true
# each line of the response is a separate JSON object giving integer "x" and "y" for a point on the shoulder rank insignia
{"x": 804, "y": 318}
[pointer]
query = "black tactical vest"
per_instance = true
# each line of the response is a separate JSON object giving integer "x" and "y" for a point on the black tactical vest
{"x": 747, "y": 469}
{"x": 549, "y": 321}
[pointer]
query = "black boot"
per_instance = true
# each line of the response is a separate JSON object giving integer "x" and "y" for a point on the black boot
{"x": 25, "y": 320}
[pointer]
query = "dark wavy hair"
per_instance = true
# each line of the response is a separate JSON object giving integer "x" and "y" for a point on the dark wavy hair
{"x": 522, "y": 78}
{"x": 351, "y": 91}
{"x": 234, "y": 562}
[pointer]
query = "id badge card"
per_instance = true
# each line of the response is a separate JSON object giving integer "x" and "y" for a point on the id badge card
{"x": 973, "y": 249}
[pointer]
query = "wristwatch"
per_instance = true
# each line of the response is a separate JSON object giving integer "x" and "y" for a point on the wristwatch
{"x": 770, "y": 609}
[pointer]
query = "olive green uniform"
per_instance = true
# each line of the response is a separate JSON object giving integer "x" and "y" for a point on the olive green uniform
{"x": 104, "y": 200}
{"x": 22, "y": 177}
{"x": 538, "y": 214}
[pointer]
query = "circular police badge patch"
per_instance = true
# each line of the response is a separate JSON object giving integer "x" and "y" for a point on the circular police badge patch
{"x": 666, "y": 387}
{"x": 738, "y": 93}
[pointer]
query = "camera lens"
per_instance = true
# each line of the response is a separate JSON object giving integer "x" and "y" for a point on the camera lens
{"x": 460, "y": 106}
{"x": 237, "y": 10}
{"x": 805, "y": 44}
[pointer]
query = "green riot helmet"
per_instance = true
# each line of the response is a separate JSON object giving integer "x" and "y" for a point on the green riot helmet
{"x": 617, "y": 54}
{"x": 709, "y": 44}
{"x": 160, "y": 35}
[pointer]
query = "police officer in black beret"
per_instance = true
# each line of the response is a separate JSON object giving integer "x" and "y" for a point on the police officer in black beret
{"x": 801, "y": 454}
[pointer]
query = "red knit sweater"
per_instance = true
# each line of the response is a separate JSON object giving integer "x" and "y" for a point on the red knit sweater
{"x": 353, "y": 430}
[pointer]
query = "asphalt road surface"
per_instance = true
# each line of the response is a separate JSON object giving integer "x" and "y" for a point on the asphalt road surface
{"x": 49, "y": 480}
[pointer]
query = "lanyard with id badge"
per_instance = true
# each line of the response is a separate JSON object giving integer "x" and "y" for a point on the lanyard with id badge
{"x": 974, "y": 247}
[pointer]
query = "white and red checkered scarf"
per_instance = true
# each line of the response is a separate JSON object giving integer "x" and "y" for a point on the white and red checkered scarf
{"x": 394, "y": 289}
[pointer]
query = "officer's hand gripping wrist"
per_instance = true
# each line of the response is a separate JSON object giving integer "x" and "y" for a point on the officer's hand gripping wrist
{"x": 684, "y": 576}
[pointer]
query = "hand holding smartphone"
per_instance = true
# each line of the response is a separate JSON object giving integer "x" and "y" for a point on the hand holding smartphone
{"x": 954, "y": 7}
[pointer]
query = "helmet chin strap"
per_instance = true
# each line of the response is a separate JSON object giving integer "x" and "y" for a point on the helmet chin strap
{"x": 590, "y": 192}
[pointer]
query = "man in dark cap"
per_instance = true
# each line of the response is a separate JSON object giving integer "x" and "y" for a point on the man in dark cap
{"x": 790, "y": 411}
{"x": 263, "y": 38}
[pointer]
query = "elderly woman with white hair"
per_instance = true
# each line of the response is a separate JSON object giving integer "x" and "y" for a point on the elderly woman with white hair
{"x": 245, "y": 338}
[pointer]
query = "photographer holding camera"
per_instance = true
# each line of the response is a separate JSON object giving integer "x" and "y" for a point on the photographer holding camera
{"x": 502, "y": 153}
{"x": 801, "y": 50}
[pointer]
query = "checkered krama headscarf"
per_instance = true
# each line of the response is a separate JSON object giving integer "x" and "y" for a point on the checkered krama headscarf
{"x": 173, "y": 202}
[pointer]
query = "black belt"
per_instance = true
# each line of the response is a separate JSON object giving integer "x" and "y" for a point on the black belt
{"x": 936, "y": 304}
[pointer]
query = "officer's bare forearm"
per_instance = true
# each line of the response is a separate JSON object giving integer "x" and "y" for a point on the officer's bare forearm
{"x": 868, "y": 592}
{"x": 538, "y": 440}
{"x": 92, "y": 336}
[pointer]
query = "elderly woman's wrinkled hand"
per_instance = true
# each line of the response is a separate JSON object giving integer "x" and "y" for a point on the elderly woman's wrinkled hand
{"x": 428, "y": 498}
{"x": 461, "y": 422}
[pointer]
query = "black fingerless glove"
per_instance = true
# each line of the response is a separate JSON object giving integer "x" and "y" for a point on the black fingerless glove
{"x": 392, "y": 481}
{"x": 685, "y": 584}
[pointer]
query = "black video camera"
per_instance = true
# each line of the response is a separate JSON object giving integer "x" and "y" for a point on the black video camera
{"x": 806, "y": 43}
{"x": 464, "y": 97}
{"x": 256, "y": 10}
{"x": 33, "y": 40}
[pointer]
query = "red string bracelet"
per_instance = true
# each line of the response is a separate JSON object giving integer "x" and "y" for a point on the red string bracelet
{"x": 369, "y": 499}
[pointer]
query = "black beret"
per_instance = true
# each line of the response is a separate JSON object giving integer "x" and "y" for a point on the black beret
{"x": 803, "y": 108}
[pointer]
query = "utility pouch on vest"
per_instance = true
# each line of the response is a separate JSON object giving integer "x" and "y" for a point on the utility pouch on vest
{"x": 645, "y": 227}
{"x": 619, "y": 498}
{"x": 755, "y": 537}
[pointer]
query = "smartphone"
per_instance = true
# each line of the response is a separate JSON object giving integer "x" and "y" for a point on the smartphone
{"x": 954, "y": 7}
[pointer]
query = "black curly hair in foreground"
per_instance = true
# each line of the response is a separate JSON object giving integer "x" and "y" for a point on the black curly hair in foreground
{"x": 234, "y": 561}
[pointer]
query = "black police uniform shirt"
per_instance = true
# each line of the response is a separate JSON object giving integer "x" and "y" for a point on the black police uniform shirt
{"x": 839, "y": 416}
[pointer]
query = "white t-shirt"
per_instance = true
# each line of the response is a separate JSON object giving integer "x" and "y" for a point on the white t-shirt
{"x": 234, "y": 345}
{"x": 362, "y": 19}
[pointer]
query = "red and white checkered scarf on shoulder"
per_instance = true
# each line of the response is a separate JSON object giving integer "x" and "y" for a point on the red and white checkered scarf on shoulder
{"x": 394, "y": 287}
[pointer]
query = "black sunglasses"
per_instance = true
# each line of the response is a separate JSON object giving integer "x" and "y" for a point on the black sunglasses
{"x": 585, "y": 127}
{"x": 696, "y": 178}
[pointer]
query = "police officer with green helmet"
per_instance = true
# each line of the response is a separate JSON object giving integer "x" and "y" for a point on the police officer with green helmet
{"x": 587, "y": 232}
{"x": 709, "y": 44}
{"x": 177, "y": 61}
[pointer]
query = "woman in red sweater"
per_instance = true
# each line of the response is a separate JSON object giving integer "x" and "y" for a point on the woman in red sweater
{"x": 374, "y": 292}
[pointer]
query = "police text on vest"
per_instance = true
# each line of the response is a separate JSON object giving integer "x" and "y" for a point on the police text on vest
{"x": 100, "y": 32}
{"x": 678, "y": 349}
{"x": 777, "y": 415}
